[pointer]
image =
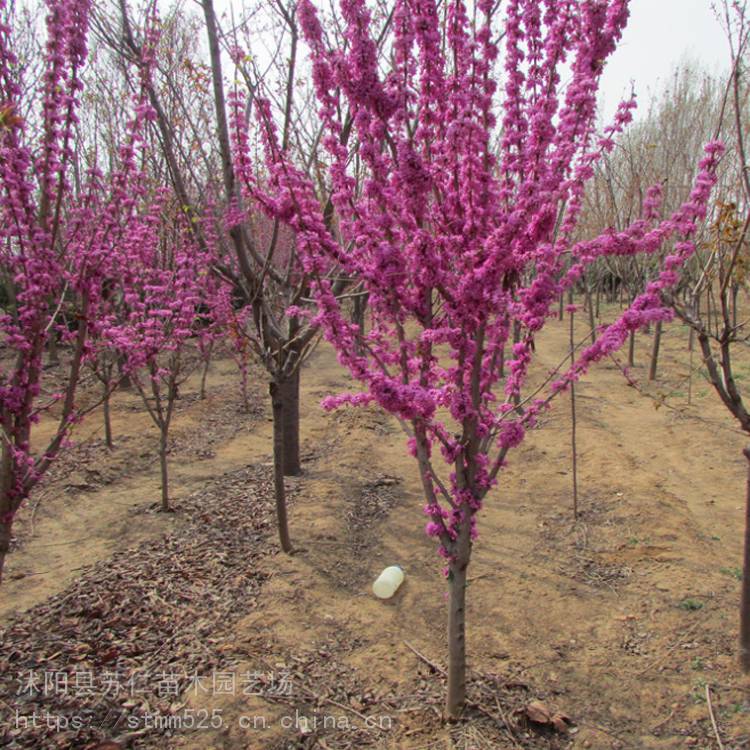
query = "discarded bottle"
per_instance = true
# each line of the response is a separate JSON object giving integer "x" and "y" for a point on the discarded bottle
{"x": 388, "y": 582}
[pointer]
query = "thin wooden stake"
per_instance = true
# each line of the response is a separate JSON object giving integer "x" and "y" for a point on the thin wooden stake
{"x": 713, "y": 718}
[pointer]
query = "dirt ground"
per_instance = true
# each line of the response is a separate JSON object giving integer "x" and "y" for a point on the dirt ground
{"x": 624, "y": 621}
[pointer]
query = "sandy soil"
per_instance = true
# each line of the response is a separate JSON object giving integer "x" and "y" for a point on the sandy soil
{"x": 620, "y": 620}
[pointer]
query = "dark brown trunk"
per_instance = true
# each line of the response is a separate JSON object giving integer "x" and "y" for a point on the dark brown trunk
{"x": 5, "y": 537}
{"x": 745, "y": 598}
{"x": 204, "y": 374}
{"x": 53, "y": 352}
{"x": 289, "y": 394}
{"x": 655, "y": 351}
{"x": 125, "y": 382}
{"x": 631, "y": 350}
{"x": 107, "y": 418}
{"x": 278, "y": 466}
{"x": 592, "y": 319}
{"x": 7, "y": 506}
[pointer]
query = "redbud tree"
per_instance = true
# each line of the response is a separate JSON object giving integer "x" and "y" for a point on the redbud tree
{"x": 463, "y": 229}
{"x": 169, "y": 294}
{"x": 56, "y": 238}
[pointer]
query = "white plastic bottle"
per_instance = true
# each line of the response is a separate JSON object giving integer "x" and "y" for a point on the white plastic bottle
{"x": 388, "y": 582}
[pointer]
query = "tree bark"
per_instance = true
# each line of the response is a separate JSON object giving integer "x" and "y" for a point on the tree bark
{"x": 358, "y": 314}
{"x": 631, "y": 350}
{"x": 126, "y": 383}
{"x": 6, "y": 527}
{"x": 745, "y": 597}
{"x": 277, "y": 403}
{"x": 164, "y": 471}
{"x": 289, "y": 394}
{"x": 655, "y": 351}
{"x": 107, "y": 418}
{"x": 204, "y": 374}
{"x": 456, "y": 697}
{"x": 53, "y": 352}
{"x": 691, "y": 348}
{"x": 574, "y": 446}
{"x": 7, "y": 505}
{"x": 590, "y": 307}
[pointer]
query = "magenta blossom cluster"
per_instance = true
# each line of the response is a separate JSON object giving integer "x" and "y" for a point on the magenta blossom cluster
{"x": 42, "y": 254}
{"x": 169, "y": 295}
{"x": 63, "y": 244}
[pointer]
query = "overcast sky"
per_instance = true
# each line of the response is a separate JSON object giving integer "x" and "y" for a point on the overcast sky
{"x": 659, "y": 35}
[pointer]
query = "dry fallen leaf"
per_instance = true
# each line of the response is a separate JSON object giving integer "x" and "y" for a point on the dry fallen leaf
{"x": 561, "y": 722}
{"x": 538, "y": 712}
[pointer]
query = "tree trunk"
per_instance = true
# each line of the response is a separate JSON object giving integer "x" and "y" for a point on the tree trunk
{"x": 6, "y": 527}
{"x": 590, "y": 306}
{"x": 516, "y": 340}
{"x": 456, "y": 697}
{"x": 745, "y": 600}
{"x": 243, "y": 388}
{"x": 164, "y": 472}
{"x": 631, "y": 350}
{"x": 655, "y": 351}
{"x": 358, "y": 313}
{"x": 53, "y": 352}
{"x": 107, "y": 418}
{"x": 289, "y": 394}
{"x": 277, "y": 403}
{"x": 7, "y": 505}
{"x": 691, "y": 348}
{"x": 126, "y": 382}
{"x": 574, "y": 446}
{"x": 204, "y": 374}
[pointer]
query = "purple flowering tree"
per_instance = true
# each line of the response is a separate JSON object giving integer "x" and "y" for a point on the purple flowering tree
{"x": 458, "y": 241}
{"x": 169, "y": 297}
{"x": 56, "y": 240}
